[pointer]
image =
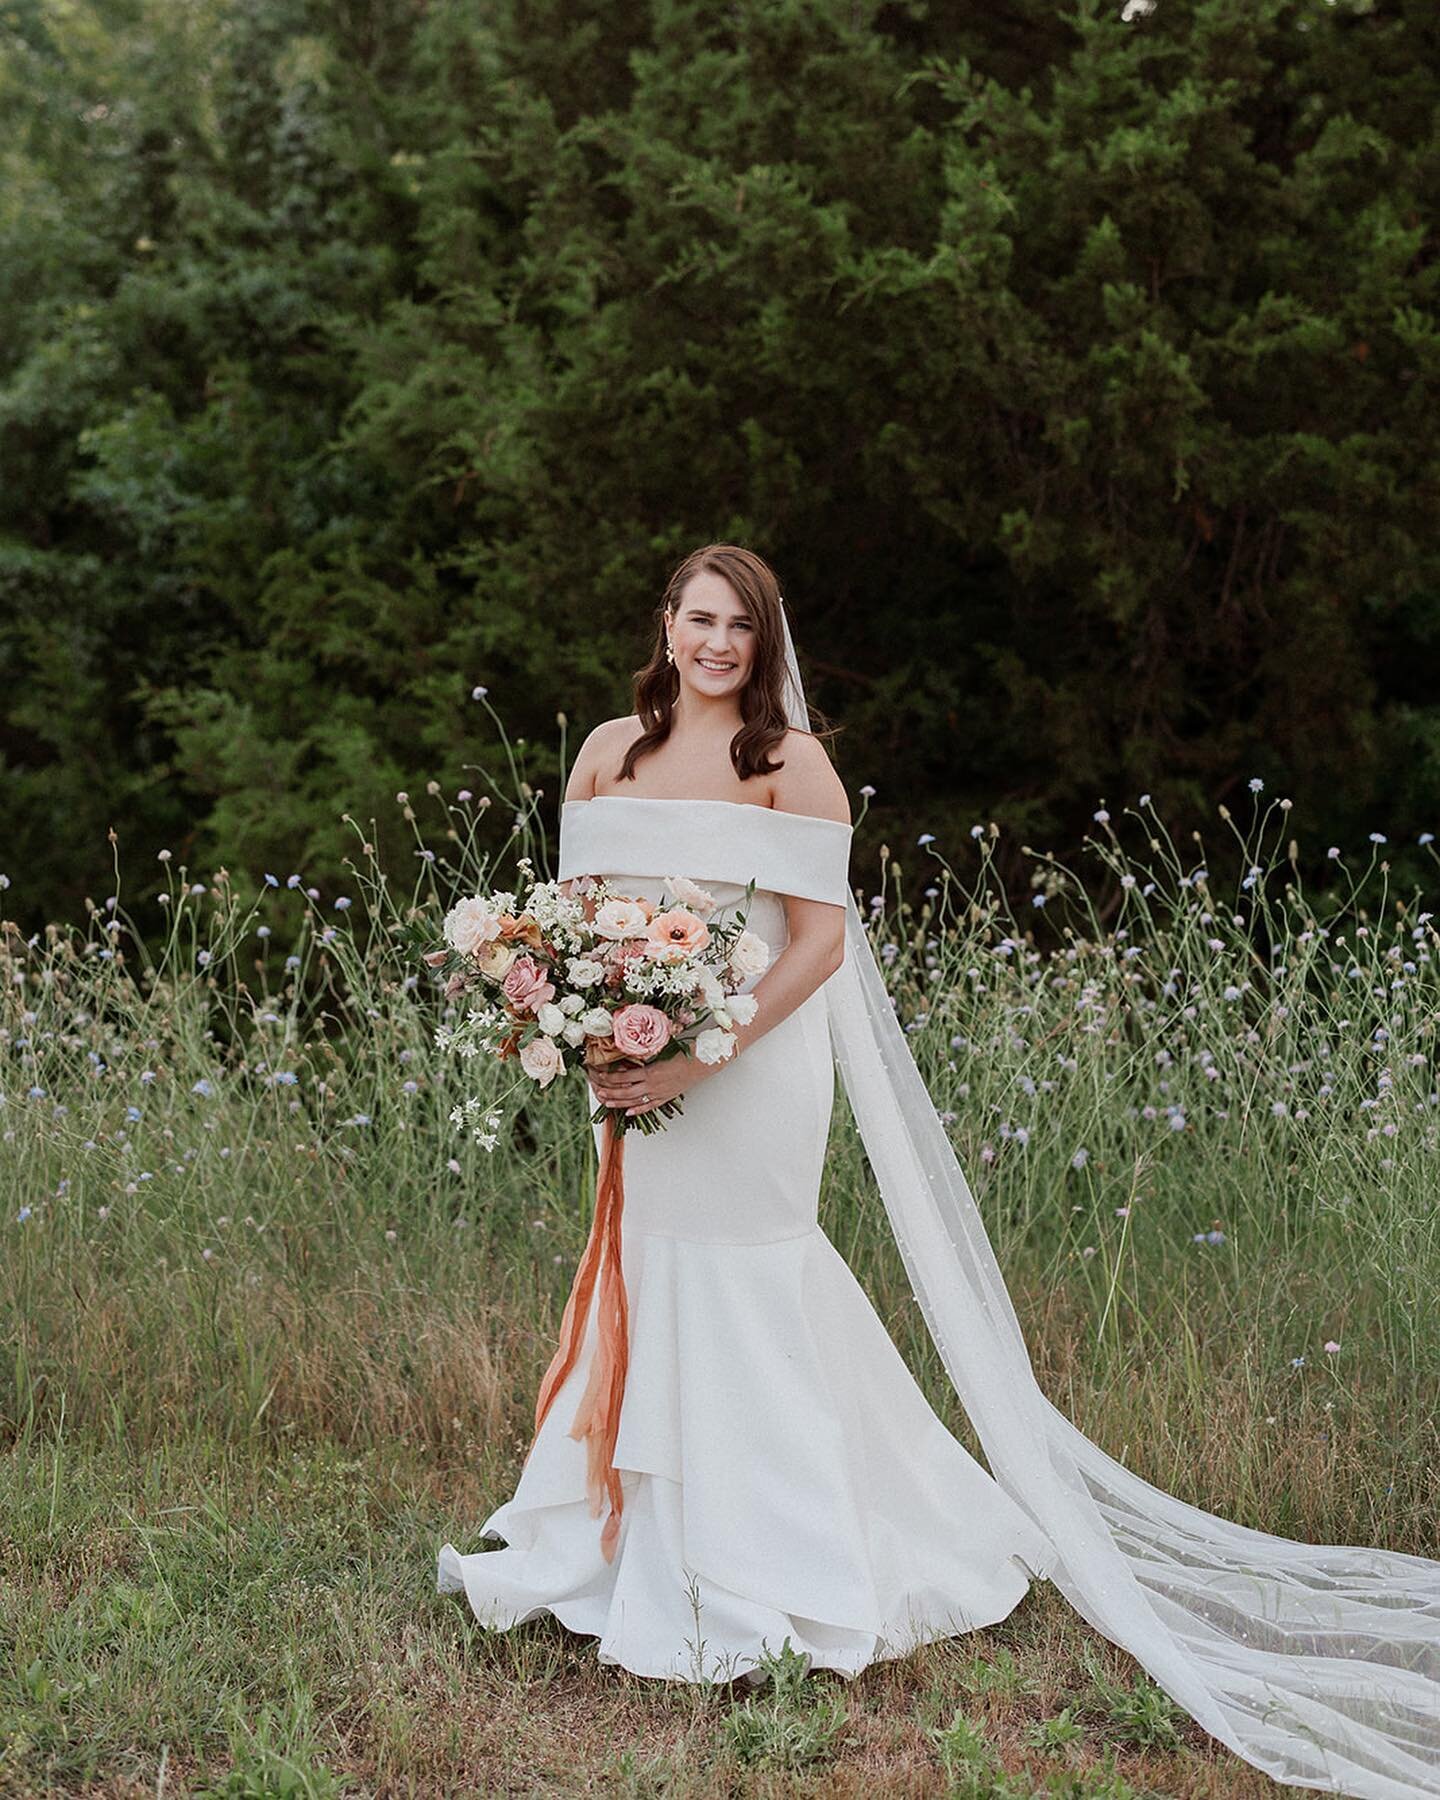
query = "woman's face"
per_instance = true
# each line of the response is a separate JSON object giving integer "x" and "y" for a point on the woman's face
{"x": 713, "y": 637}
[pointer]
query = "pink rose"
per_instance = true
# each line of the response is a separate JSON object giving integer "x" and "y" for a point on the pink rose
{"x": 640, "y": 1031}
{"x": 526, "y": 987}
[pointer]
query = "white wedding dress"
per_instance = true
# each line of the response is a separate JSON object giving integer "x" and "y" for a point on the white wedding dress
{"x": 783, "y": 1474}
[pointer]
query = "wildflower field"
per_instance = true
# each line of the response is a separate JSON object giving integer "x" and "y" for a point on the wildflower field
{"x": 273, "y": 1321}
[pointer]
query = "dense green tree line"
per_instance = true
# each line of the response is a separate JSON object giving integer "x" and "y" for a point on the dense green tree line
{"x": 1077, "y": 371}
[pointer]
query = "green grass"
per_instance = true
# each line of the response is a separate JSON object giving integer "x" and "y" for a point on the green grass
{"x": 267, "y": 1343}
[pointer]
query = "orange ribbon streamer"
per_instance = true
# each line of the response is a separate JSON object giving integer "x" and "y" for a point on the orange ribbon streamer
{"x": 597, "y": 1419}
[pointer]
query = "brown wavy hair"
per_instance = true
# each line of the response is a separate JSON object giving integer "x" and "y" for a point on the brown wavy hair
{"x": 762, "y": 699}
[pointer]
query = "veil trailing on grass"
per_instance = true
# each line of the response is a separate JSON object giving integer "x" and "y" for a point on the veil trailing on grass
{"x": 1319, "y": 1664}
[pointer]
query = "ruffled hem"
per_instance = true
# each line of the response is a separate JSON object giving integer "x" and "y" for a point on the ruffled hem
{"x": 784, "y": 1476}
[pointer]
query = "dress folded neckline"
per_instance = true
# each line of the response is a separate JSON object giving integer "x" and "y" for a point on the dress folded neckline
{"x": 779, "y": 812}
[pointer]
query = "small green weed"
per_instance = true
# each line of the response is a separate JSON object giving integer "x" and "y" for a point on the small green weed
{"x": 269, "y": 1777}
{"x": 1140, "y": 1713}
{"x": 1057, "y": 1734}
{"x": 787, "y": 1729}
{"x": 999, "y": 1675}
{"x": 972, "y": 1769}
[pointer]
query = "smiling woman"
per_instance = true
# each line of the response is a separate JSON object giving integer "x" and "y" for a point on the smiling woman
{"x": 780, "y": 1473}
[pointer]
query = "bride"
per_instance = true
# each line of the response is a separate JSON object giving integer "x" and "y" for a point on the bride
{"x": 776, "y": 1472}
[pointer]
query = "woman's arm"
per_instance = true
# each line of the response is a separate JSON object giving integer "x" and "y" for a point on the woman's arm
{"x": 808, "y": 783}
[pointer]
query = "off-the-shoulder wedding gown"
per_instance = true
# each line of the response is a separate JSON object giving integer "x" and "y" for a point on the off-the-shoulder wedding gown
{"x": 783, "y": 1474}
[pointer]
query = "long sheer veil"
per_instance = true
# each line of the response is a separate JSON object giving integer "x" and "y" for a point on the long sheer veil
{"x": 1320, "y": 1664}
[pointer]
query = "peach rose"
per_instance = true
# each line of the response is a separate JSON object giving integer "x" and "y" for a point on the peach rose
{"x": 676, "y": 934}
{"x": 526, "y": 986}
{"x": 496, "y": 960}
{"x": 641, "y": 1032}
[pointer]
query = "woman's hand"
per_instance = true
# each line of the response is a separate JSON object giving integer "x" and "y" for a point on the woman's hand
{"x": 640, "y": 1087}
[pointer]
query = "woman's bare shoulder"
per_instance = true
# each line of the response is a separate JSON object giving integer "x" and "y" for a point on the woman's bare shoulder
{"x": 603, "y": 748}
{"x": 809, "y": 782}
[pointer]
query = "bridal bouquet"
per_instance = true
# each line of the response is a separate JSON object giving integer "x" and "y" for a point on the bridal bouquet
{"x": 580, "y": 980}
{"x": 584, "y": 979}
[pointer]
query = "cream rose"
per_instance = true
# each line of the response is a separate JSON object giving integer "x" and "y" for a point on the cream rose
{"x": 750, "y": 955}
{"x": 541, "y": 1060}
{"x": 496, "y": 959}
{"x": 688, "y": 894}
{"x": 621, "y": 918}
{"x": 549, "y": 1018}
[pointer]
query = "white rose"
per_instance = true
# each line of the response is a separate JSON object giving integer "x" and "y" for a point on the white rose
{"x": 742, "y": 1008}
{"x": 620, "y": 918}
{"x": 721, "y": 1017}
{"x": 686, "y": 892}
{"x": 574, "y": 1033}
{"x": 571, "y": 1004}
{"x": 584, "y": 971}
{"x": 550, "y": 1018}
{"x": 708, "y": 988}
{"x": 750, "y": 955}
{"x": 714, "y": 1046}
{"x": 596, "y": 1022}
{"x": 470, "y": 924}
{"x": 541, "y": 1060}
